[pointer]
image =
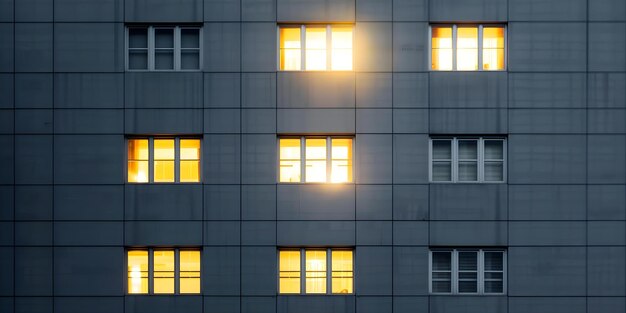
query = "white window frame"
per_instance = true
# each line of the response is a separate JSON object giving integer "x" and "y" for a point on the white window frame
{"x": 455, "y": 159}
{"x": 480, "y": 46}
{"x": 329, "y": 271}
{"x": 152, "y": 49}
{"x": 303, "y": 158}
{"x": 454, "y": 288}
{"x": 151, "y": 251}
{"x": 176, "y": 159}
{"x": 329, "y": 46}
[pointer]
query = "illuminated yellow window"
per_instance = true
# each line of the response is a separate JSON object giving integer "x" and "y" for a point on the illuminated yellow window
{"x": 189, "y": 271}
{"x": 315, "y": 160}
{"x": 164, "y": 271}
{"x": 164, "y": 160}
{"x": 314, "y": 267}
{"x": 137, "y": 272}
{"x": 289, "y": 160}
{"x": 341, "y": 167}
{"x": 326, "y": 47}
{"x": 342, "y": 271}
{"x": 341, "y": 43}
{"x": 289, "y": 271}
{"x": 442, "y": 48}
{"x": 189, "y": 160}
{"x": 468, "y": 48}
{"x": 290, "y": 49}
{"x": 493, "y": 48}
{"x": 315, "y": 261}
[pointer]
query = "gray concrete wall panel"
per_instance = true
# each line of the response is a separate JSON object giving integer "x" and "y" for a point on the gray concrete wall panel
{"x": 606, "y": 90}
{"x": 548, "y": 90}
{"x": 458, "y": 304}
{"x": 33, "y": 47}
{"x": 151, "y": 202}
{"x": 33, "y": 90}
{"x": 374, "y": 159}
{"x": 605, "y": 159}
{"x": 33, "y": 159}
{"x": 315, "y": 11}
{"x": 312, "y": 304}
{"x": 374, "y": 121}
{"x": 258, "y": 10}
{"x": 372, "y": 202}
{"x": 163, "y": 11}
{"x": 607, "y": 47}
{"x": 222, "y": 47}
{"x": 374, "y": 90}
{"x": 258, "y": 90}
{"x": 468, "y": 233}
{"x": 88, "y": 11}
{"x": 163, "y": 121}
{"x": 89, "y": 90}
{"x": 7, "y": 55}
{"x": 468, "y": 11}
{"x": 410, "y": 271}
{"x": 547, "y": 305}
{"x": 607, "y": 10}
{"x": 222, "y": 159}
{"x": 315, "y": 202}
{"x": 163, "y": 233}
{"x": 468, "y": 121}
{"x": 374, "y": 43}
{"x": 75, "y": 156}
{"x": 548, "y": 202}
{"x": 374, "y": 233}
{"x": 468, "y": 202}
{"x": 315, "y": 90}
{"x": 316, "y": 233}
{"x": 222, "y": 10}
{"x": 33, "y": 10}
{"x": 547, "y": 233}
{"x": 32, "y": 121}
{"x": 88, "y": 47}
{"x": 258, "y": 202}
{"x": 163, "y": 90}
{"x": 606, "y": 202}
{"x": 258, "y": 272}
{"x": 259, "y": 159}
{"x": 97, "y": 121}
{"x": 33, "y": 271}
{"x": 468, "y": 90}
{"x": 315, "y": 121}
{"x": 410, "y": 47}
{"x": 373, "y": 10}
{"x": 221, "y": 275}
{"x": 373, "y": 266}
{"x": 221, "y": 202}
{"x": 547, "y": 121}
{"x": 88, "y": 233}
{"x": 222, "y": 90}
{"x": 188, "y": 303}
{"x": 33, "y": 202}
{"x": 258, "y": 47}
{"x": 85, "y": 202}
{"x": 555, "y": 10}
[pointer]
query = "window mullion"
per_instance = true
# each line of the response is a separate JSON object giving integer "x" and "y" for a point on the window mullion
{"x": 176, "y": 271}
{"x": 151, "y": 50}
{"x": 328, "y": 158}
{"x": 328, "y": 272}
{"x": 302, "y": 271}
{"x": 177, "y": 160}
{"x": 151, "y": 160}
{"x": 454, "y": 272}
{"x": 480, "y": 167}
{"x": 455, "y": 160}
{"x": 177, "y": 50}
{"x": 480, "y": 47}
{"x": 302, "y": 159}
{"x": 302, "y": 48}
{"x": 150, "y": 271}
{"x": 454, "y": 30}
{"x": 328, "y": 47}
{"x": 480, "y": 273}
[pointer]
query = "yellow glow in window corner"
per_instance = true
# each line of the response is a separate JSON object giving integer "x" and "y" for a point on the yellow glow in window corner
{"x": 493, "y": 48}
{"x": 189, "y": 160}
{"x": 138, "y": 155}
{"x": 315, "y": 48}
{"x": 467, "y": 49}
{"x": 137, "y": 272}
{"x": 289, "y": 271}
{"x": 290, "y": 49}
{"x": 341, "y": 166}
{"x": 342, "y": 271}
{"x": 164, "y": 160}
{"x": 441, "y": 48}
{"x": 315, "y": 262}
{"x": 289, "y": 160}
{"x": 341, "y": 56}
{"x": 189, "y": 271}
{"x": 315, "y": 160}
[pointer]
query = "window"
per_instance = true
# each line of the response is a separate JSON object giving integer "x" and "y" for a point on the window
{"x": 315, "y": 159}
{"x": 315, "y": 267}
{"x": 163, "y": 271}
{"x": 163, "y": 160}
{"x": 468, "y": 47}
{"x": 163, "y": 48}
{"x": 467, "y": 271}
{"x": 315, "y": 47}
{"x": 468, "y": 160}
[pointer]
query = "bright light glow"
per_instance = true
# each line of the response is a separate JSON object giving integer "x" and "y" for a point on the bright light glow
{"x": 442, "y": 48}
{"x": 467, "y": 49}
{"x": 164, "y": 160}
{"x": 341, "y": 166}
{"x": 493, "y": 48}
{"x": 138, "y": 156}
{"x": 189, "y": 271}
{"x": 341, "y": 57}
{"x": 289, "y": 271}
{"x": 315, "y": 48}
{"x": 290, "y": 49}
{"x": 137, "y": 272}
{"x": 342, "y": 271}
{"x": 164, "y": 271}
{"x": 315, "y": 160}
{"x": 315, "y": 262}
{"x": 189, "y": 160}
{"x": 289, "y": 160}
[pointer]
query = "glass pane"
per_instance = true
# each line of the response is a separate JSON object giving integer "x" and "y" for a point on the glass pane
{"x": 138, "y": 38}
{"x": 138, "y": 149}
{"x": 164, "y": 38}
{"x": 468, "y": 150}
{"x": 137, "y": 271}
{"x": 494, "y": 171}
{"x": 315, "y": 48}
{"x": 493, "y": 286}
{"x": 315, "y": 160}
{"x": 442, "y": 275}
{"x": 164, "y": 160}
{"x": 442, "y": 261}
{"x": 190, "y": 149}
{"x": 441, "y": 286}
{"x": 493, "y": 261}
{"x": 315, "y": 262}
{"x": 290, "y": 49}
{"x": 493, "y": 275}
{"x": 189, "y": 171}
{"x": 468, "y": 261}
{"x": 468, "y": 286}
{"x": 164, "y": 59}
{"x": 442, "y": 149}
{"x": 190, "y": 59}
{"x": 341, "y": 58}
{"x": 442, "y": 171}
{"x": 289, "y": 268}
{"x": 342, "y": 273}
{"x": 467, "y": 275}
{"x": 189, "y": 38}
{"x": 493, "y": 48}
{"x": 289, "y": 160}
{"x": 163, "y": 171}
{"x": 341, "y": 169}
{"x": 442, "y": 48}
{"x": 494, "y": 150}
{"x": 164, "y": 271}
{"x": 468, "y": 171}
{"x": 164, "y": 149}
{"x": 189, "y": 271}
{"x": 467, "y": 48}
{"x": 138, "y": 171}
{"x": 138, "y": 59}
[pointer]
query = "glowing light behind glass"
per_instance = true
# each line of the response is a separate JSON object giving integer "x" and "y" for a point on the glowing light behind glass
{"x": 341, "y": 166}
{"x": 467, "y": 49}
{"x": 341, "y": 42}
{"x": 164, "y": 160}
{"x": 189, "y": 271}
{"x": 493, "y": 48}
{"x": 315, "y": 49}
{"x": 289, "y": 268}
{"x": 442, "y": 48}
{"x": 342, "y": 271}
{"x": 290, "y": 49}
{"x": 137, "y": 272}
{"x": 164, "y": 271}
{"x": 315, "y": 160}
{"x": 189, "y": 160}
{"x": 290, "y": 170}
{"x": 138, "y": 156}
{"x": 315, "y": 263}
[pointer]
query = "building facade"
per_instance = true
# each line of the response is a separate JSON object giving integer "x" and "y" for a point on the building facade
{"x": 313, "y": 156}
